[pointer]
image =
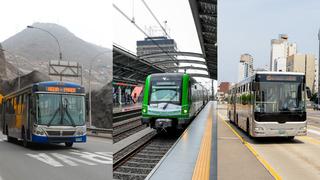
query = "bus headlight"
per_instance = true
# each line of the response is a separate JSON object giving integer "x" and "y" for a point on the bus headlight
{"x": 81, "y": 131}
{"x": 258, "y": 129}
{"x": 39, "y": 131}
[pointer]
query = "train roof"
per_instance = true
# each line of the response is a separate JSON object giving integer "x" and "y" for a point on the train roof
{"x": 166, "y": 74}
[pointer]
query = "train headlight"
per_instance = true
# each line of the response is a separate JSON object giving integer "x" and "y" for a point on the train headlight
{"x": 185, "y": 111}
{"x": 39, "y": 131}
{"x": 81, "y": 131}
{"x": 144, "y": 110}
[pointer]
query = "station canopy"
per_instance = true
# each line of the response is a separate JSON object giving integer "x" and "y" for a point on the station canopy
{"x": 205, "y": 17}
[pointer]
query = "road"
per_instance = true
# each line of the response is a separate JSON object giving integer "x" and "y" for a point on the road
{"x": 85, "y": 161}
{"x": 288, "y": 159}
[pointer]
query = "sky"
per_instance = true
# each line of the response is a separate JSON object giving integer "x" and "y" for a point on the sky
{"x": 179, "y": 22}
{"x": 247, "y": 26}
{"x": 177, "y": 13}
{"x": 89, "y": 20}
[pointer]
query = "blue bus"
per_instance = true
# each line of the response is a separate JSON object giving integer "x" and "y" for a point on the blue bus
{"x": 45, "y": 112}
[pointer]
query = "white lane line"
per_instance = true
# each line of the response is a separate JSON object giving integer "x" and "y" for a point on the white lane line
{"x": 314, "y": 131}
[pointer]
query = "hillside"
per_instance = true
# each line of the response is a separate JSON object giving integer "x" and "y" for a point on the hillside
{"x": 31, "y": 49}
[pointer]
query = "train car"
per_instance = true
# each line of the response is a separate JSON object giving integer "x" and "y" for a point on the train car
{"x": 171, "y": 100}
{"x": 45, "y": 112}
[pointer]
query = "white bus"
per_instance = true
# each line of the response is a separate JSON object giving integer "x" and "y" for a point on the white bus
{"x": 270, "y": 104}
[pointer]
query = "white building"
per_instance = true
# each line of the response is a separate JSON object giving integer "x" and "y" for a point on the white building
{"x": 245, "y": 66}
{"x": 280, "y": 50}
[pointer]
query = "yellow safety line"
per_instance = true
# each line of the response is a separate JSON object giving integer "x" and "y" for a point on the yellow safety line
{"x": 253, "y": 151}
{"x": 310, "y": 139}
{"x": 202, "y": 167}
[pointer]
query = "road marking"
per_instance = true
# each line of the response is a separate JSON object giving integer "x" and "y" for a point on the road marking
{"x": 74, "y": 159}
{"x": 253, "y": 151}
{"x": 69, "y": 160}
{"x": 310, "y": 139}
{"x": 46, "y": 159}
{"x": 202, "y": 167}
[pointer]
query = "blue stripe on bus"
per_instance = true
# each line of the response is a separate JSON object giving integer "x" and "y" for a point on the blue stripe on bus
{"x": 45, "y": 139}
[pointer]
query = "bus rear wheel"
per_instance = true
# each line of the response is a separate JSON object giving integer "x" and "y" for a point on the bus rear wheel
{"x": 68, "y": 144}
{"x": 290, "y": 137}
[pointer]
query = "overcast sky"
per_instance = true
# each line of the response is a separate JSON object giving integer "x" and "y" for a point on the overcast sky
{"x": 247, "y": 26}
{"x": 177, "y": 13}
{"x": 89, "y": 20}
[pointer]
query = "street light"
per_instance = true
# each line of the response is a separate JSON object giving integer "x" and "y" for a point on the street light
{"x": 91, "y": 62}
{"x": 18, "y": 72}
{"x": 55, "y": 38}
{"x": 60, "y": 54}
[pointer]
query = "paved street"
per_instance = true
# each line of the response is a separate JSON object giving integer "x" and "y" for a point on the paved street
{"x": 290, "y": 159}
{"x": 89, "y": 161}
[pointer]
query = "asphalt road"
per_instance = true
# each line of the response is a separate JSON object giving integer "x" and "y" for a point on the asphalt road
{"x": 85, "y": 161}
{"x": 290, "y": 159}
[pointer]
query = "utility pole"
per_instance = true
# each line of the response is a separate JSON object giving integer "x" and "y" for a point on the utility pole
{"x": 319, "y": 70}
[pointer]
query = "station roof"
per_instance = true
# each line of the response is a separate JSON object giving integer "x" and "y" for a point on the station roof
{"x": 129, "y": 69}
{"x": 205, "y": 17}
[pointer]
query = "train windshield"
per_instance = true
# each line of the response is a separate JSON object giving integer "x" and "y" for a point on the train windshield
{"x": 280, "y": 97}
{"x": 60, "y": 110}
{"x": 165, "y": 92}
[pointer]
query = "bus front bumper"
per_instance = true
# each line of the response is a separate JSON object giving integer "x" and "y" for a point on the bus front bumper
{"x": 279, "y": 129}
{"x": 46, "y": 139}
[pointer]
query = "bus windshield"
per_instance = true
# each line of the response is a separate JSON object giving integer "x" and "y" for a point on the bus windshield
{"x": 165, "y": 94}
{"x": 280, "y": 97}
{"x": 60, "y": 110}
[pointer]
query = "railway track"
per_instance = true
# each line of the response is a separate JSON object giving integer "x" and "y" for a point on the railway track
{"x": 126, "y": 124}
{"x": 137, "y": 160}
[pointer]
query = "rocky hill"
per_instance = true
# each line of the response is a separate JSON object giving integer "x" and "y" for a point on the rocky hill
{"x": 31, "y": 49}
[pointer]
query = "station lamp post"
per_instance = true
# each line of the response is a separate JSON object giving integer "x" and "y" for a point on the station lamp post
{"x": 90, "y": 69}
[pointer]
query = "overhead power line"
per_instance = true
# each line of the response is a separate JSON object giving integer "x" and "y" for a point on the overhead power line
{"x": 141, "y": 30}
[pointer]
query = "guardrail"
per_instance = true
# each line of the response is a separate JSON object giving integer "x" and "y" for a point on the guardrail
{"x": 99, "y": 132}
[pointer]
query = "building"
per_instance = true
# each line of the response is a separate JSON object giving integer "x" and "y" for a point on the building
{"x": 245, "y": 66}
{"x": 304, "y": 63}
{"x": 151, "y": 45}
{"x": 223, "y": 90}
{"x": 280, "y": 50}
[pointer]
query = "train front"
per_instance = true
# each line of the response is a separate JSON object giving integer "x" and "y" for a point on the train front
{"x": 165, "y": 102}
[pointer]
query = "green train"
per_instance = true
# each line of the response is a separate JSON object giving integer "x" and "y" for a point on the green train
{"x": 171, "y": 100}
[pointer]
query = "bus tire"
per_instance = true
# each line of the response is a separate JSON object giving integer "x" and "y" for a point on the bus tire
{"x": 68, "y": 144}
{"x": 24, "y": 139}
{"x": 290, "y": 137}
{"x": 248, "y": 128}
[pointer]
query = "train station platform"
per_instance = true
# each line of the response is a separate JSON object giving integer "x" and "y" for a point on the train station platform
{"x": 126, "y": 107}
{"x": 193, "y": 156}
{"x": 208, "y": 149}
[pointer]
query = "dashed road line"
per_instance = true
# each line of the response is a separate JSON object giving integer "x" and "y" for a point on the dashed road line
{"x": 253, "y": 151}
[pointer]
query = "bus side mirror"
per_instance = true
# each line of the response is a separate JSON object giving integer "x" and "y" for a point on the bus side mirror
{"x": 195, "y": 86}
{"x": 308, "y": 92}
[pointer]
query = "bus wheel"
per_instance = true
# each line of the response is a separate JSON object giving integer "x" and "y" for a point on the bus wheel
{"x": 290, "y": 137}
{"x": 248, "y": 128}
{"x": 68, "y": 144}
{"x": 24, "y": 139}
